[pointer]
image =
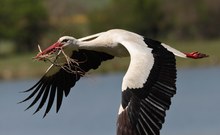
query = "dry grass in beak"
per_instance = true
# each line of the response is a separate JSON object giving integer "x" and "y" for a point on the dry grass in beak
{"x": 70, "y": 65}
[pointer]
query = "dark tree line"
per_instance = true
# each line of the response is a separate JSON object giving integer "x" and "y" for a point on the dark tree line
{"x": 23, "y": 22}
{"x": 182, "y": 19}
{"x": 26, "y": 21}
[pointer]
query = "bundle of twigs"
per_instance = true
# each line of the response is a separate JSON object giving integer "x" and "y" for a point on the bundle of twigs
{"x": 70, "y": 65}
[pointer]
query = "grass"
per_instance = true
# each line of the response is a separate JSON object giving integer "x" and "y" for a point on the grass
{"x": 22, "y": 66}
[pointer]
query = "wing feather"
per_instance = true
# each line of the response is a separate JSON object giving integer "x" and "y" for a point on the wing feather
{"x": 51, "y": 99}
{"x": 146, "y": 107}
{"x": 38, "y": 96}
{"x": 58, "y": 82}
{"x": 44, "y": 98}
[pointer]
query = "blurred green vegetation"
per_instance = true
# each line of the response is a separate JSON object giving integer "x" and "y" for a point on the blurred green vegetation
{"x": 185, "y": 24}
{"x": 22, "y": 22}
{"x": 175, "y": 19}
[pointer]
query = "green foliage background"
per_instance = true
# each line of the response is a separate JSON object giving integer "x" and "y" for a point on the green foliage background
{"x": 184, "y": 24}
{"x": 180, "y": 19}
{"x": 23, "y": 22}
{"x": 27, "y": 23}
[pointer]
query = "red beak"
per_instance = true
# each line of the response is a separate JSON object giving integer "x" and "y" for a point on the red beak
{"x": 48, "y": 50}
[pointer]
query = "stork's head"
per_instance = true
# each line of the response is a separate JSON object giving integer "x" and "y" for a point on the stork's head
{"x": 61, "y": 43}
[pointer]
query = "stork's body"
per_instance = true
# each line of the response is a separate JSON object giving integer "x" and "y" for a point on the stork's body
{"x": 147, "y": 86}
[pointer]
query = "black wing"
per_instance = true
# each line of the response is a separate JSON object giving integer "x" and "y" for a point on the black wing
{"x": 144, "y": 109}
{"x": 58, "y": 81}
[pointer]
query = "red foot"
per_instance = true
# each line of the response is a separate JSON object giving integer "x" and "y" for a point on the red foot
{"x": 196, "y": 55}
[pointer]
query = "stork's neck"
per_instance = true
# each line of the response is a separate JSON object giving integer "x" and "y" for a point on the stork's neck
{"x": 104, "y": 42}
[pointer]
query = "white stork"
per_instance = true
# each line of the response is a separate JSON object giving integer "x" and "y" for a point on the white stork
{"x": 147, "y": 86}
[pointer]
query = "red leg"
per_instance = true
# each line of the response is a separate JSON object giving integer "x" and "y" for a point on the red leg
{"x": 196, "y": 55}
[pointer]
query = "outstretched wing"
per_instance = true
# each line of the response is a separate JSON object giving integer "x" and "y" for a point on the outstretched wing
{"x": 143, "y": 110}
{"x": 58, "y": 81}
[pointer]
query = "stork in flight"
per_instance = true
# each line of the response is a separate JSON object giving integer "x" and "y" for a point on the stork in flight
{"x": 147, "y": 87}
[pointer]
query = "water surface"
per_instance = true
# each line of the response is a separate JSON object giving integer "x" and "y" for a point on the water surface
{"x": 92, "y": 106}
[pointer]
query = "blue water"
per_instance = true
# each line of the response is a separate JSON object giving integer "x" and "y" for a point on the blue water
{"x": 92, "y": 106}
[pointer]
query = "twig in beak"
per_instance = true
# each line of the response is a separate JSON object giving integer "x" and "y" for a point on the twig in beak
{"x": 39, "y": 48}
{"x": 70, "y": 65}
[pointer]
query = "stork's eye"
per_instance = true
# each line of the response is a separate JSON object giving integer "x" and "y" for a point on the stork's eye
{"x": 65, "y": 40}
